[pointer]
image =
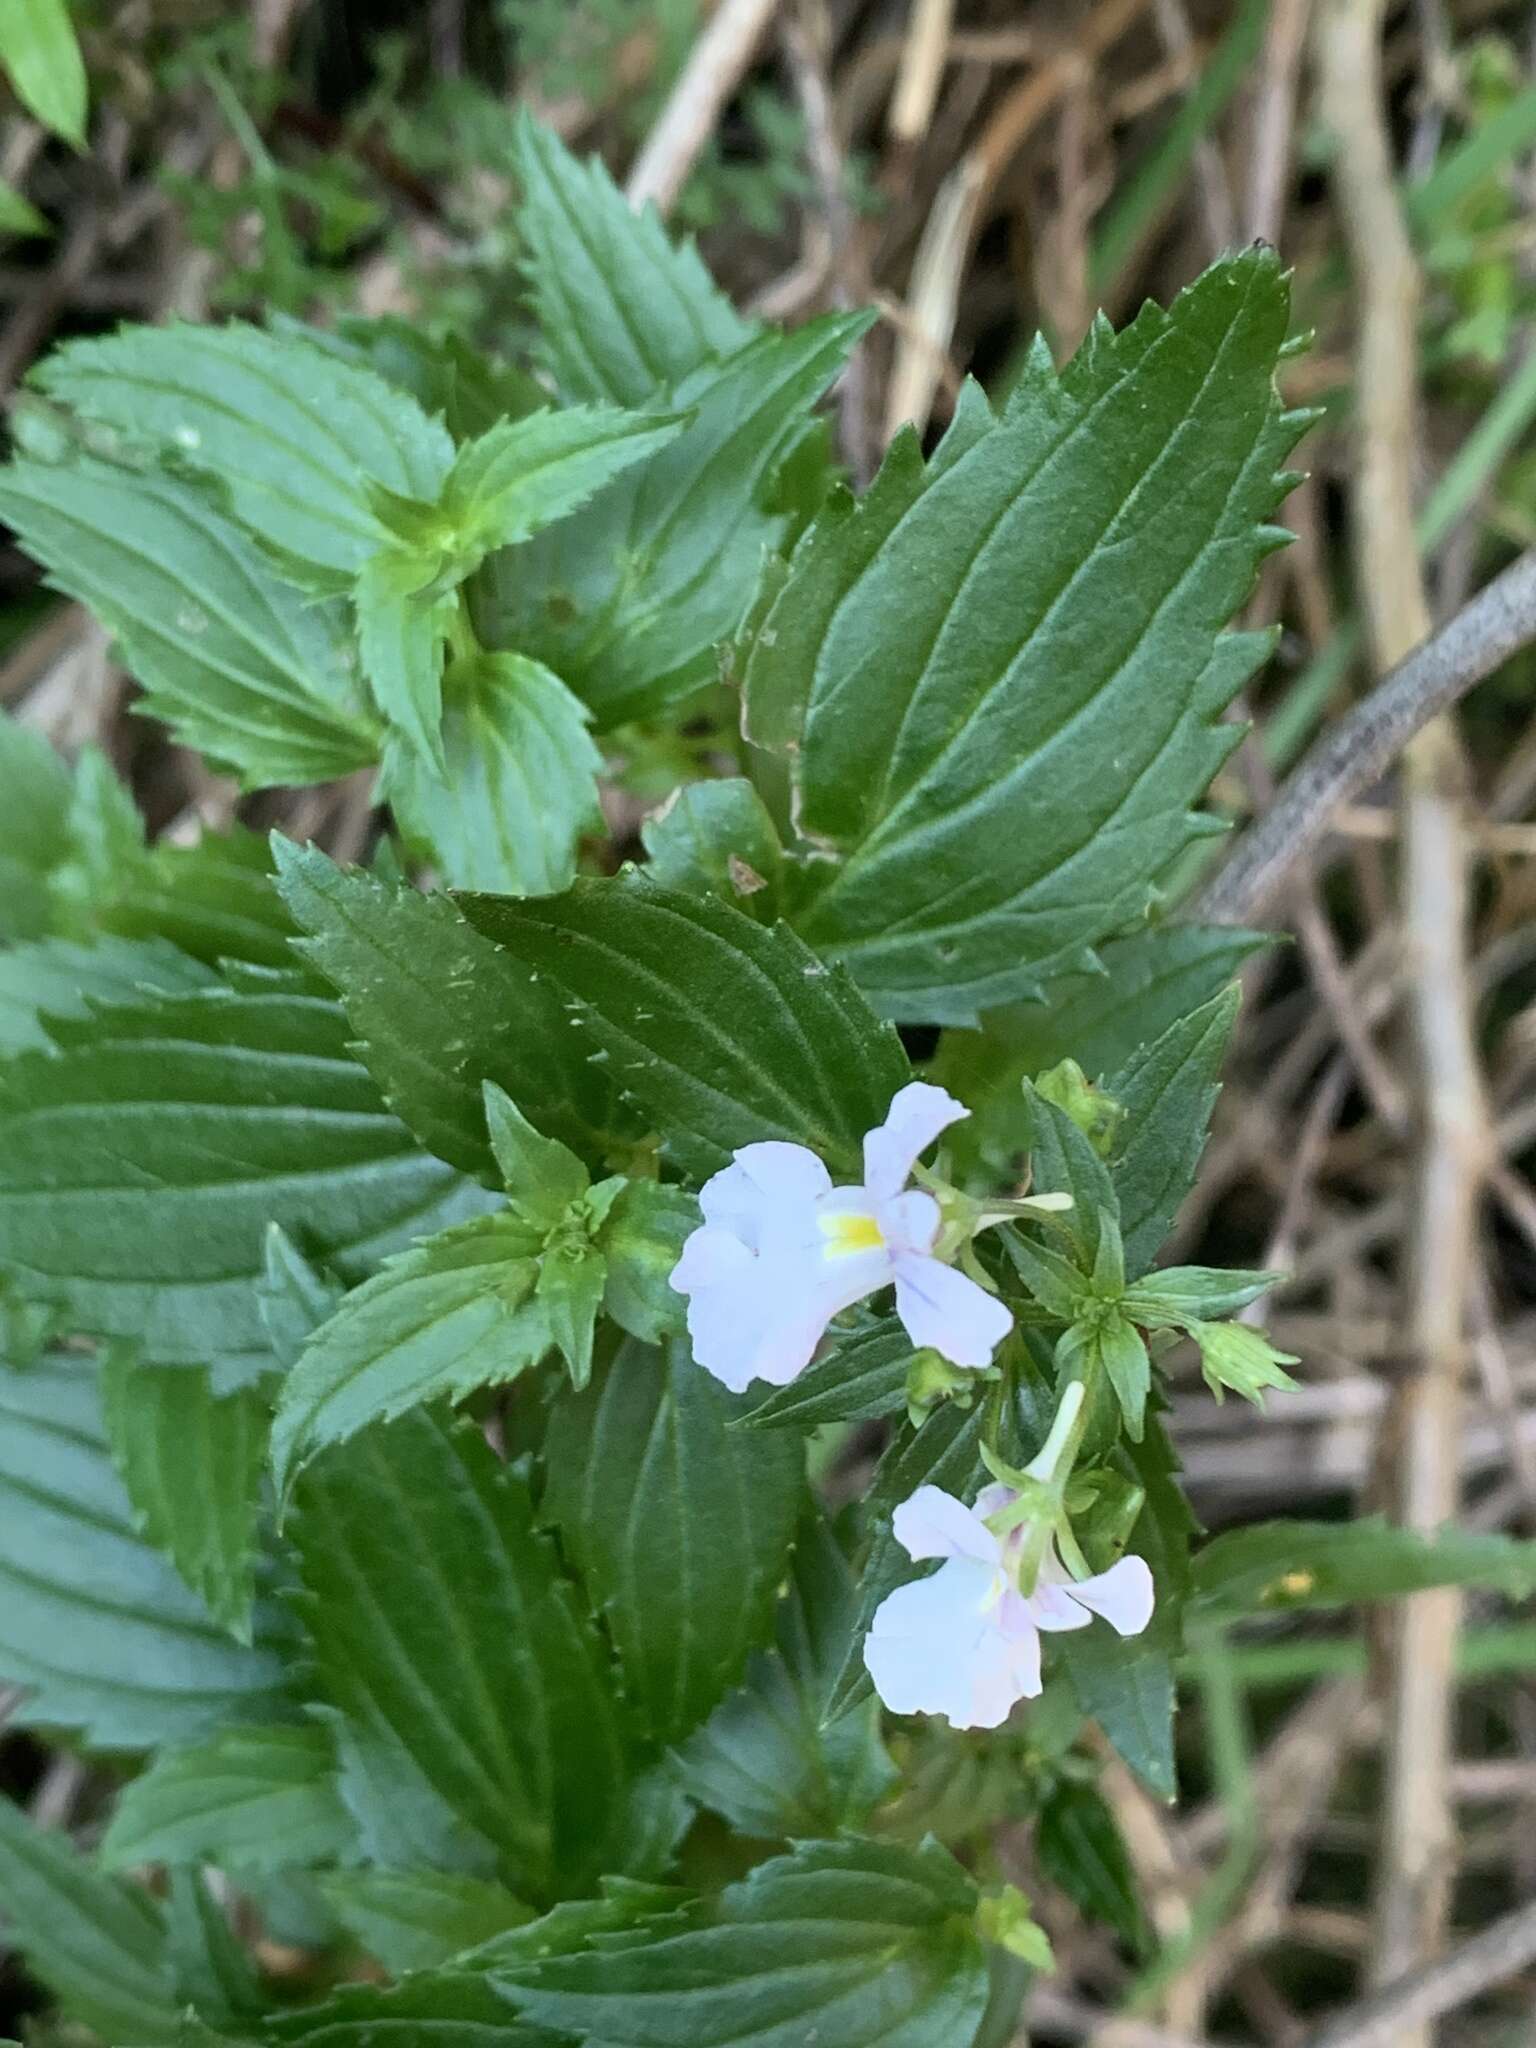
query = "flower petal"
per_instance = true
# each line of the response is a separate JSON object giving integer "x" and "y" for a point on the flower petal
{"x": 925, "y": 1639}
{"x": 710, "y": 1258}
{"x": 1053, "y": 1608}
{"x": 767, "y": 1195}
{"x": 915, "y": 1118}
{"x": 944, "y": 1309}
{"x": 934, "y": 1524}
{"x": 909, "y": 1222}
{"x": 1124, "y": 1595}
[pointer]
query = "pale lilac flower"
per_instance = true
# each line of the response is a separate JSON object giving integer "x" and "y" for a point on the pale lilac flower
{"x": 965, "y": 1643}
{"x": 781, "y": 1251}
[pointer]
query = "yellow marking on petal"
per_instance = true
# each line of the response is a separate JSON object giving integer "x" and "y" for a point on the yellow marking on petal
{"x": 847, "y": 1232}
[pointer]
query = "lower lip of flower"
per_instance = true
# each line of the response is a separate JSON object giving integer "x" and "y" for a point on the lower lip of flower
{"x": 847, "y": 1233}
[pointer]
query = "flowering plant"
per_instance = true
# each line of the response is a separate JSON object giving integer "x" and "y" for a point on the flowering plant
{"x": 443, "y": 1299}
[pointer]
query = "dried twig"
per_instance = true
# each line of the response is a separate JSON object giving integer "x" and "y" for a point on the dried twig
{"x": 1274, "y": 120}
{"x": 1422, "y": 1436}
{"x": 923, "y": 56}
{"x": 1392, "y": 2017}
{"x": 1497, "y": 623}
{"x": 714, "y": 69}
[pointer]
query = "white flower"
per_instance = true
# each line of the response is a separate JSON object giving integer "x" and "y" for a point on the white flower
{"x": 781, "y": 1251}
{"x": 965, "y": 1643}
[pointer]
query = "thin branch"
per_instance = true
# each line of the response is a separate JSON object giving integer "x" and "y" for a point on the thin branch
{"x": 715, "y": 67}
{"x": 1359, "y": 750}
{"x": 1389, "y": 2018}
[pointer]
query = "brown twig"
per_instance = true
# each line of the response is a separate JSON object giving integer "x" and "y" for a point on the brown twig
{"x": 1399, "y": 2010}
{"x": 1497, "y": 623}
{"x": 1422, "y": 1434}
{"x": 714, "y": 69}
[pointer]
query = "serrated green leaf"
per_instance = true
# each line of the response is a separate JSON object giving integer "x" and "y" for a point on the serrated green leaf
{"x": 519, "y": 784}
{"x": 1123, "y": 1355}
{"x": 1128, "y": 1686}
{"x": 99, "y": 1943}
{"x": 403, "y": 1822}
{"x": 238, "y": 663}
{"x": 209, "y": 1966}
{"x": 141, "y": 1165}
{"x": 292, "y": 1297}
{"x": 248, "y": 1799}
{"x": 1171, "y": 1294}
{"x": 454, "y": 1313}
{"x": 1273, "y": 1566}
{"x": 569, "y": 1294}
{"x": 721, "y": 1031}
{"x": 94, "y": 1621}
{"x": 641, "y": 1241}
{"x": 435, "y": 2009}
{"x": 462, "y": 1643}
{"x": 763, "y": 1760}
{"x": 718, "y": 838}
{"x": 1168, "y": 1091}
{"x": 437, "y": 1010}
{"x": 41, "y": 53}
{"x": 293, "y": 438}
{"x": 629, "y": 599}
{"x": 863, "y": 1944}
{"x": 214, "y": 900}
{"x": 192, "y": 1463}
{"x": 623, "y": 311}
{"x": 34, "y": 829}
{"x": 18, "y": 216}
{"x": 1081, "y": 1849}
{"x": 861, "y": 1378}
{"x": 65, "y": 978}
{"x": 1032, "y": 640}
{"x": 418, "y": 1919}
{"x": 544, "y": 1179}
{"x": 441, "y": 371}
{"x": 1147, "y": 982}
{"x": 527, "y": 473}
{"x": 1065, "y": 1162}
{"x": 679, "y": 1527}
{"x": 401, "y": 635}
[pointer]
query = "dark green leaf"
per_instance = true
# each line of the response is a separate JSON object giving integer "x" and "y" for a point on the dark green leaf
{"x": 41, "y": 52}
{"x": 64, "y": 978}
{"x": 622, "y": 311}
{"x": 1148, "y": 982}
{"x": 1031, "y": 634}
{"x": 292, "y": 1298}
{"x": 437, "y": 2009}
{"x": 294, "y": 437}
{"x": 249, "y": 1799}
{"x": 440, "y": 371}
{"x": 1278, "y": 1565}
{"x": 237, "y": 662}
{"x": 98, "y": 1942}
{"x": 401, "y": 636}
{"x": 860, "y": 1944}
{"x": 214, "y": 900}
{"x": 1066, "y": 1163}
{"x": 1168, "y": 1091}
{"x": 721, "y": 1031}
{"x": 526, "y": 473}
{"x": 862, "y": 1378}
{"x": 454, "y": 1313}
{"x": 642, "y": 1241}
{"x": 629, "y": 599}
{"x": 1172, "y": 1294}
{"x": 717, "y": 838}
{"x": 34, "y": 829}
{"x": 518, "y": 788}
{"x": 572, "y": 1277}
{"x": 438, "y": 1011}
{"x": 208, "y": 1964}
{"x": 417, "y": 1919}
{"x": 679, "y": 1526}
{"x": 94, "y": 1621}
{"x": 763, "y": 1759}
{"x": 1080, "y": 1848}
{"x": 462, "y": 1643}
{"x": 140, "y": 1167}
{"x": 192, "y": 1464}
{"x": 1123, "y": 1356}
